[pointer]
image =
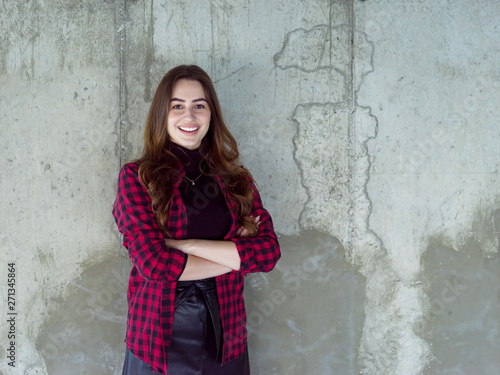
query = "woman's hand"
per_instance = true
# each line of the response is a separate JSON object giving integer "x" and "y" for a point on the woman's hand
{"x": 243, "y": 232}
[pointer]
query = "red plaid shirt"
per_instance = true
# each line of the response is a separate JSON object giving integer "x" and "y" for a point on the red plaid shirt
{"x": 156, "y": 269}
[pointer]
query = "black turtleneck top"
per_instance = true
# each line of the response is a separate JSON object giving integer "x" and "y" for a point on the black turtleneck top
{"x": 206, "y": 207}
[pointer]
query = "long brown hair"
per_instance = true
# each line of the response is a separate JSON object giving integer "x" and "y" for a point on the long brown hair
{"x": 158, "y": 165}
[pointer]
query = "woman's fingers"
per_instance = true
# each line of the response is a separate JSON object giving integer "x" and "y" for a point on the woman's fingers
{"x": 243, "y": 232}
{"x": 257, "y": 220}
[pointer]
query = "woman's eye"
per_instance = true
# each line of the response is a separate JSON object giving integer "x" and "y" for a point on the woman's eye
{"x": 200, "y": 106}
{"x": 177, "y": 106}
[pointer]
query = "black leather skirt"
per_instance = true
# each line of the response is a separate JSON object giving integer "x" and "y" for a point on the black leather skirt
{"x": 196, "y": 346}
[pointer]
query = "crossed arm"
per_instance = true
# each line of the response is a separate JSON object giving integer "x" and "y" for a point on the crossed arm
{"x": 158, "y": 259}
{"x": 208, "y": 258}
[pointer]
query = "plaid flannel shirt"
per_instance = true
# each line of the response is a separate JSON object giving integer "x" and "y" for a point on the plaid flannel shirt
{"x": 156, "y": 269}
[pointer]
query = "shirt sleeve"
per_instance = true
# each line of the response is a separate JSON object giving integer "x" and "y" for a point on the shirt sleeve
{"x": 142, "y": 236}
{"x": 261, "y": 252}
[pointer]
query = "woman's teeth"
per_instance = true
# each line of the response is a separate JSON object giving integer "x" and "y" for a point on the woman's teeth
{"x": 188, "y": 129}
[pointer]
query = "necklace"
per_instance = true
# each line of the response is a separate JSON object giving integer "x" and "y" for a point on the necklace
{"x": 192, "y": 181}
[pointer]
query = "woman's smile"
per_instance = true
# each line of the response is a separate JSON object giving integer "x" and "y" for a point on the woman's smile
{"x": 189, "y": 130}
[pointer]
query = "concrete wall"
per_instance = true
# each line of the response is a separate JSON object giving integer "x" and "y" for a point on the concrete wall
{"x": 370, "y": 126}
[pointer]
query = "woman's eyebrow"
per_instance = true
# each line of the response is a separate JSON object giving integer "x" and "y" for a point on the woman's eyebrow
{"x": 182, "y": 100}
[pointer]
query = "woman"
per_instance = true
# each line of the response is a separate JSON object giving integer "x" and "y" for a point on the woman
{"x": 193, "y": 224}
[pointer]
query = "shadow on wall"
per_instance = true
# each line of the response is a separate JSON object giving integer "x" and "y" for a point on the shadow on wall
{"x": 306, "y": 316}
{"x": 89, "y": 328}
{"x": 463, "y": 322}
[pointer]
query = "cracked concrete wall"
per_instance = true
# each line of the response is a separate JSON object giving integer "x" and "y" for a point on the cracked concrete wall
{"x": 433, "y": 187}
{"x": 370, "y": 127}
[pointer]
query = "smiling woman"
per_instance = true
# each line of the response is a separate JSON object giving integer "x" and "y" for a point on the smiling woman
{"x": 188, "y": 117}
{"x": 193, "y": 224}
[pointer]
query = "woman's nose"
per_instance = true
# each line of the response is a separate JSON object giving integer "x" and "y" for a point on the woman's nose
{"x": 189, "y": 113}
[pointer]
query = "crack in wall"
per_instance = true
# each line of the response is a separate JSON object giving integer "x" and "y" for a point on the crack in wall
{"x": 363, "y": 127}
{"x": 305, "y": 50}
{"x": 301, "y": 172}
{"x": 300, "y": 48}
{"x": 297, "y": 45}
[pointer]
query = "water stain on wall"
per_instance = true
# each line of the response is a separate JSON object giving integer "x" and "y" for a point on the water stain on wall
{"x": 90, "y": 322}
{"x": 463, "y": 317}
{"x": 313, "y": 301}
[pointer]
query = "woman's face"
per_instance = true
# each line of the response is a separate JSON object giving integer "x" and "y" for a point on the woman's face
{"x": 188, "y": 117}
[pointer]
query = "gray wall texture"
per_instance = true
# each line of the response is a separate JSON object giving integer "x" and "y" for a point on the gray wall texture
{"x": 372, "y": 128}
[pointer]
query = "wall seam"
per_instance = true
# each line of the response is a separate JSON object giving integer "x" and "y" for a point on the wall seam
{"x": 351, "y": 135}
{"x": 122, "y": 82}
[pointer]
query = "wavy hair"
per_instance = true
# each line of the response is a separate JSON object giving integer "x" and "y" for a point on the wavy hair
{"x": 158, "y": 166}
